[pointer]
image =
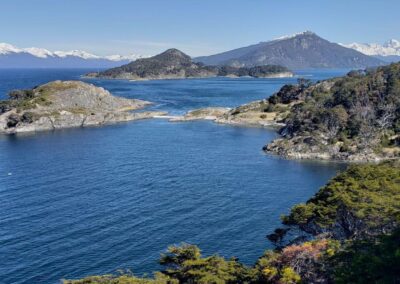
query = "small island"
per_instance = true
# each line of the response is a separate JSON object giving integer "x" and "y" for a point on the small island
{"x": 174, "y": 64}
{"x": 66, "y": 104}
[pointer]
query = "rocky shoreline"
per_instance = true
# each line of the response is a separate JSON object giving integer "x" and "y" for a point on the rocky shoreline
{"x": 353, "y": 118}
{"x": 248, "y": 115}
{"x": 314, "y": 120}
{"x": 129, "y": 77}
{"x": 66, "y": 104}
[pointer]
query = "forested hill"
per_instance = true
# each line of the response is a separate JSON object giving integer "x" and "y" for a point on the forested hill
{"x": 174, "y": 64}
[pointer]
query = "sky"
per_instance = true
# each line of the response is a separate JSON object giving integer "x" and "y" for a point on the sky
{"x": 197, "y": 27}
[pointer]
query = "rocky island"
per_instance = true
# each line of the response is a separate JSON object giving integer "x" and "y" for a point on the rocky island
{"x": 66, "y": 104}
{"x": 174, "y": 64}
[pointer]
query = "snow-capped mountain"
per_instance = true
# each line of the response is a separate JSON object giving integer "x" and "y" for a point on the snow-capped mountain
{"x": 294, "y": 35}
{"x": 77, "y": 53}
{"x": 33, "y": 57}
{"x": 389, "y": 51}
{"x": 305, "y": 50}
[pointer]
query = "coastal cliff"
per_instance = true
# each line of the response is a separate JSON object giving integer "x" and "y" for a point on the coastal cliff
{"x": 174, "y": 64}
{"x": 65, "y": 104}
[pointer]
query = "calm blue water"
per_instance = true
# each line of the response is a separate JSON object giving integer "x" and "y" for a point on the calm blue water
{"x": 90, "y": 201}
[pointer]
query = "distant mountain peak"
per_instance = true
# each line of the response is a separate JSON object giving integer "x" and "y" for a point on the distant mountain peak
{"x": 173, "y": 55}
{"x": 38, "y": 52}
{"x": 6, "y": 48}
{"x": 173, "y": 52}
{"x": 389, "y": 48}
{"x": 296, "y": 51}
{"x": 304, "y": 33}
{"x": 12, "y": 57}
{"x": 77, "y": 53}
{"x": 392, "y": 43}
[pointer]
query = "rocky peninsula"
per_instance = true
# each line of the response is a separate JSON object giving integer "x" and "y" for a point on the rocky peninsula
{"x": 249, "y": 115}
{"x": 351, "y": 118}
{"x": 66, "y": 104}
{"x": 174, "y": 64}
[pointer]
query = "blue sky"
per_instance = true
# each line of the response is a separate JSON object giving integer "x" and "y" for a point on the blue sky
{"x": 198, "y": 27}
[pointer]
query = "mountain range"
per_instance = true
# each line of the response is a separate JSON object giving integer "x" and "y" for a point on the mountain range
{"x": 33, "y": 57}
{"x": 299, "y": 51}
{"x": 389, "y": 51}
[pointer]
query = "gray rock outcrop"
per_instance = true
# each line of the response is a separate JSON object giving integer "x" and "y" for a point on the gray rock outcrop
{"x": 66, "y": 104}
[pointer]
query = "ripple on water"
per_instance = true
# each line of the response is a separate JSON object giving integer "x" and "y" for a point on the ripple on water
{"x": 90, "y": 201}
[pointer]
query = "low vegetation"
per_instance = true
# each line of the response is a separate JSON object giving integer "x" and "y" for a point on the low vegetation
{"x": 24, "y": 100}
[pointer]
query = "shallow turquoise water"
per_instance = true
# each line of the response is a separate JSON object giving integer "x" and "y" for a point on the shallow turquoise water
{"x": 89, "y": 201}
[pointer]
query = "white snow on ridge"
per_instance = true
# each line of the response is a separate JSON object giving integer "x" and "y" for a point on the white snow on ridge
{"x": 130, "y": 57}
{"x": 391, "y": 47}
{"x": 38, "y": 52}
{"x": 115, "y": 57}
{"x": 294, "y": 35}
{"x": 393, "y": 43}
{"x": 77, "y": 53}
{"x": 6, "y": 48}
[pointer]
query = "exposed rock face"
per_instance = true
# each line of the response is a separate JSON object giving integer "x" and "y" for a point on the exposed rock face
{"x": 210, "y": 113}
{"x": 65, "y": 104}
{"x": 304, "y": 50}
{"x": 174, "y": 64}
{"x": 253, "y": 114}
{"x": 250, "y": 115}
{"x": 309, "y": 148}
